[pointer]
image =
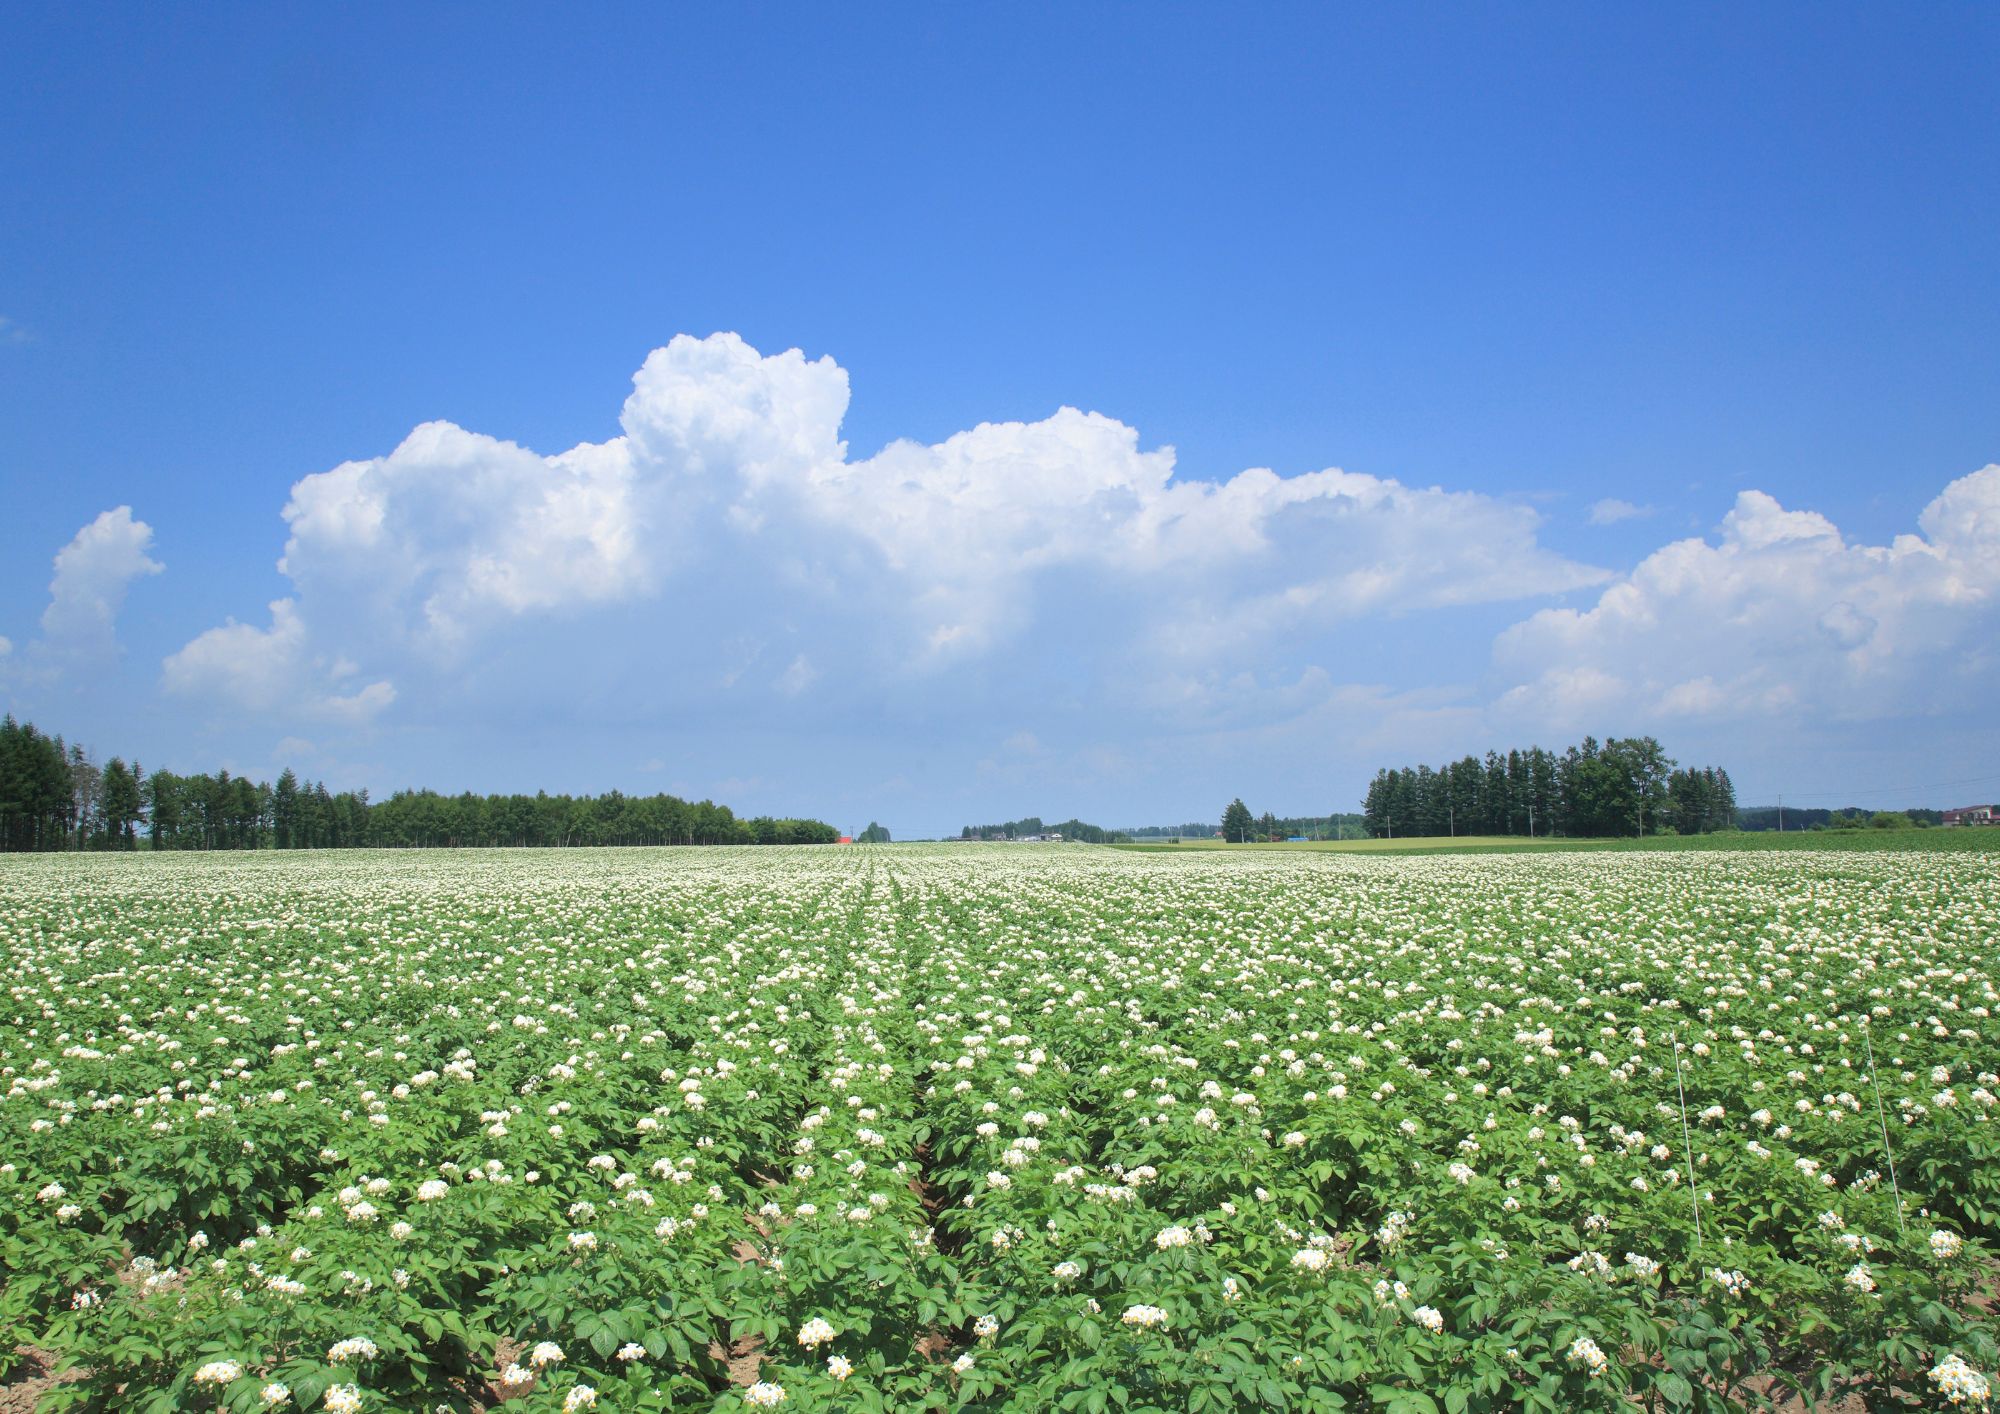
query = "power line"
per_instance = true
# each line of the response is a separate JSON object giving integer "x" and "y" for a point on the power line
{"x": 1887, "y": 790}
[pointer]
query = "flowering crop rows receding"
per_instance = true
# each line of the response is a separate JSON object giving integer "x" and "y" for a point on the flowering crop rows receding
{"x": 943, "y": 1129}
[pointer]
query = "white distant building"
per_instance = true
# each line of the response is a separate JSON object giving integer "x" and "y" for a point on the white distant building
{"x": 1973, "y": 815}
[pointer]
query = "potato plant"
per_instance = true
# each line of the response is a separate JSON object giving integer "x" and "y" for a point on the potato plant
{"x": 959, "y": 1129}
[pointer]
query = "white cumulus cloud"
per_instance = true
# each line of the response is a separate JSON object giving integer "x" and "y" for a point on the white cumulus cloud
{"x": 92, "y": 574}
{"x": 1780, "y": 615}
{"x": 452, "y": 524}
{"x": 729, "y": 517}
{"x": 272, "y": 669}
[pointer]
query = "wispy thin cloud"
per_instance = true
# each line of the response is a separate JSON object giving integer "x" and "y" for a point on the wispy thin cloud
{"x": 1611, "y": 510}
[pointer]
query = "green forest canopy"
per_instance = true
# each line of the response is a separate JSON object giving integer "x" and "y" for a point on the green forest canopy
{"x": 1624, "y": 786}
{"x": 1031, "y": 827}
{"x": 56, "y": 797}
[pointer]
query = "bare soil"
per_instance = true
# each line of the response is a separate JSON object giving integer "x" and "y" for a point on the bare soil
{"x": 30, "y": 1380}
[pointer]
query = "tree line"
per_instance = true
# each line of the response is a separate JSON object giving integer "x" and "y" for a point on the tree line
{"x": 1239, "y": 826}
{"x": 1031, "y": 826}
{"x": 54, "y": 796}
{"x": 1853, "y": 817}
{"x": 1623, "y": 786}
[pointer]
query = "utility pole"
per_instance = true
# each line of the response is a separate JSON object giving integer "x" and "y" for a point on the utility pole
{"x": 1781, "y": 812}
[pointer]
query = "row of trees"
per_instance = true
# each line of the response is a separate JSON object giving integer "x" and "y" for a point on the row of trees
{"x": 1239, "y": 826}
{"x": 54, "y": 796}
{"x": 1623, "y": 786}
{"x": 1031, "y": 826}
{"x": 1853, "y": 817}
{"x": 1010, "y": 830}
{"x": 1193, "y": 830}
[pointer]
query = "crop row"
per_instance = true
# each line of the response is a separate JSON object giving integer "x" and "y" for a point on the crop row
{"x": 1045, "y": 1129}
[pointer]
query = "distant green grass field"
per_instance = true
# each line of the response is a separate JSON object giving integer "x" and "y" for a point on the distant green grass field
{"x": 1967, "y": 840}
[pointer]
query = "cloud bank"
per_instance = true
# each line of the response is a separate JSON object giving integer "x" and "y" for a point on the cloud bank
{"x": 725, "y": 566}
{"x": 1780, "y": 616}
{"x": 731, "y": 462}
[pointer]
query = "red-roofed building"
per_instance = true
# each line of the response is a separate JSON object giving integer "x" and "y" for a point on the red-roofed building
{"x": 1973, "y": 815}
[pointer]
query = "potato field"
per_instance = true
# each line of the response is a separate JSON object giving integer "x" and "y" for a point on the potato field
{"x": 943, "y": 1128}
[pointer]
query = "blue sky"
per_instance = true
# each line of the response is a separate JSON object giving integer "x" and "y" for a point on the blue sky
{"x": 1638, "y": 337}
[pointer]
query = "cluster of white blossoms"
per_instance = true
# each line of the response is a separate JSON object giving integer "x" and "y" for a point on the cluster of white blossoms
{"x": 219, "y": 1372}
{"x": 1591, "y": 1264}
{"x": 816, "y": 1332}
{"x": 764, "y": 1395}
{"x": 1945, "y": 1246}
{"x": 1145, "y": 1317}
{"x": 355, "y": 1347}
{"x": 1584, "y": 1352}
{"x": 1732, "y": 1283}
{"x": 1959, "y": 1383}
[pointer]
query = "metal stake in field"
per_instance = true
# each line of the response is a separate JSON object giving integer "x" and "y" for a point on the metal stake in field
{"x": 1687, "y": 1138}
{"x": 1882, "y": 1115}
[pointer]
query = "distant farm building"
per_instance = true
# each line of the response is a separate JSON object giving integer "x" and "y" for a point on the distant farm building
{"x": 847, "y": 839}
{"x": 1973, "y": 815}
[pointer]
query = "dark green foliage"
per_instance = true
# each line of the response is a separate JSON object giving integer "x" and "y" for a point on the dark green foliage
{"x": 119, "y": 806}
{"x": 1853, "y": 817}
{"x": 1625, "y": 786}
{"x": 1070, "y": 829}
{"x": 52, "y": 797}
{"x": 1011, "y": 830}
{"x": 37, "y": 803}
